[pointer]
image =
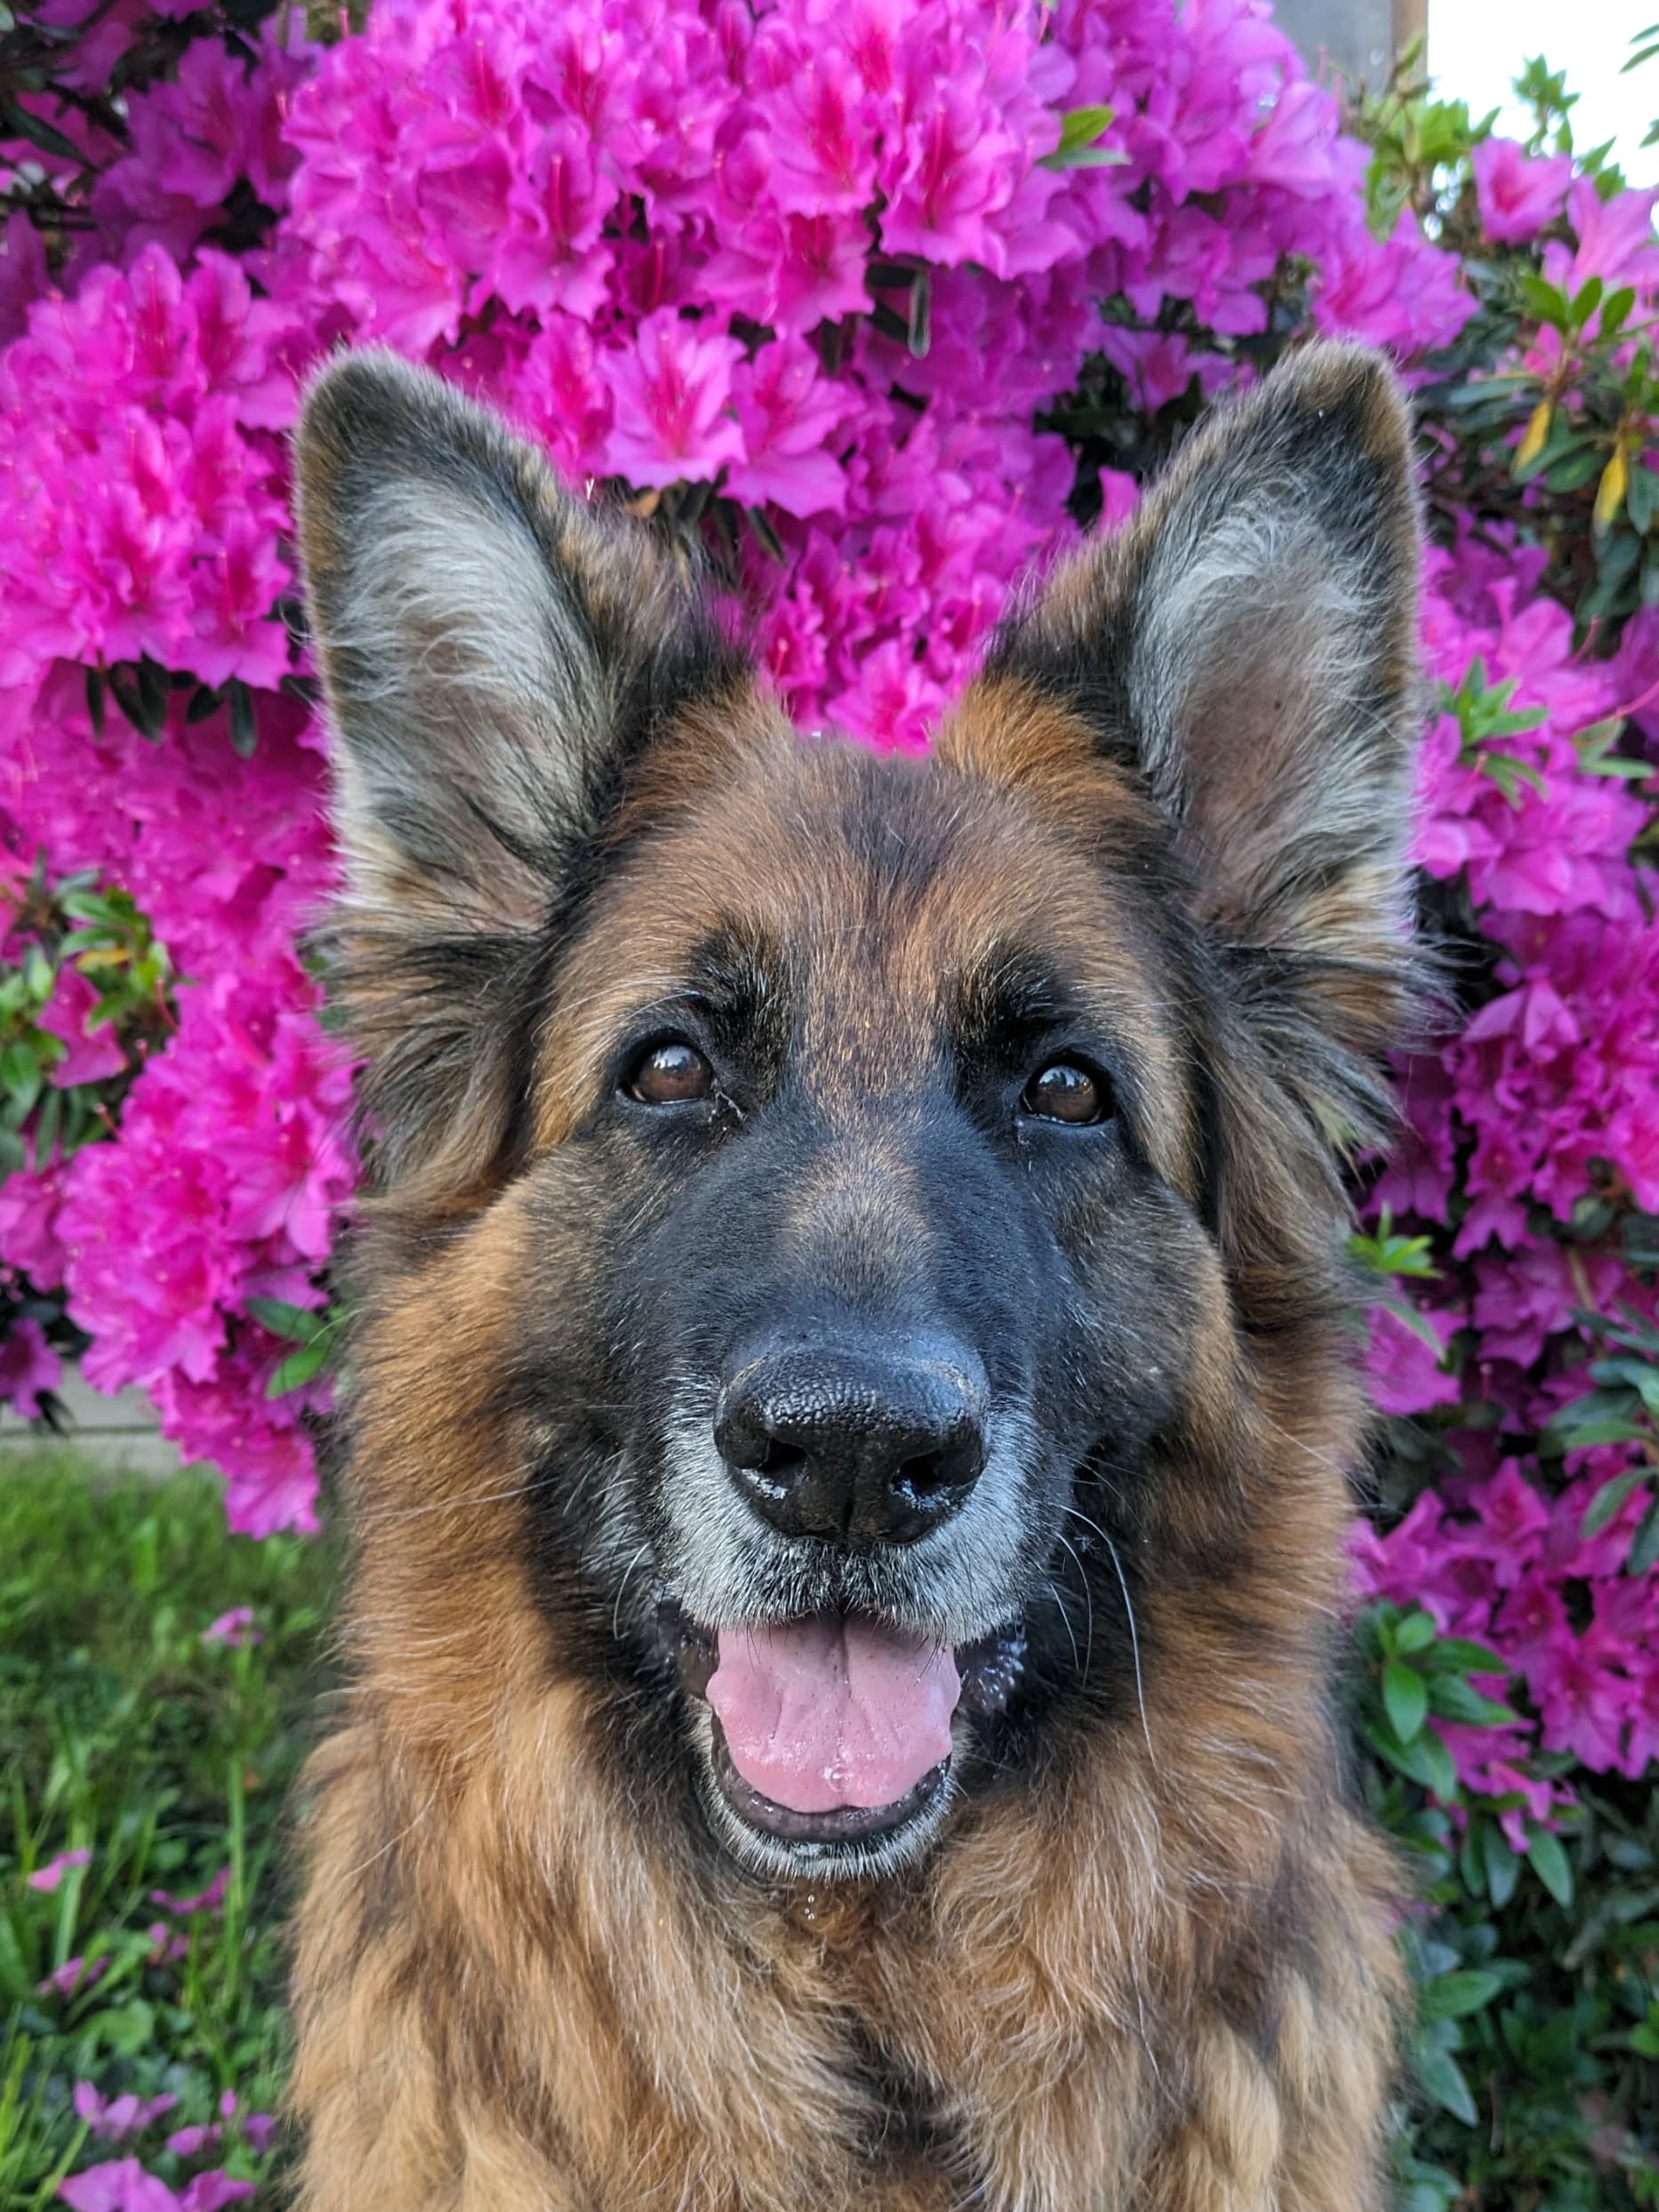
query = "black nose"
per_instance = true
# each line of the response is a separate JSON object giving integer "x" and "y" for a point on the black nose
{"x": 854, "y": 1443}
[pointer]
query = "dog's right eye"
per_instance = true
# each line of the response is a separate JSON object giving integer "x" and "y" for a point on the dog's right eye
{"x": 669, "y": 1074}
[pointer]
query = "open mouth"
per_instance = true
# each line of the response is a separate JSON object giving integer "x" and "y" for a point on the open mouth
{"x": 836, "y": 1728}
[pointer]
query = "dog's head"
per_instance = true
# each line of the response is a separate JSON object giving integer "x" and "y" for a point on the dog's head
{"x": 921, "y": 1173}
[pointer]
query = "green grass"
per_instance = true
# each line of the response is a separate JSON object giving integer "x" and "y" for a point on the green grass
{"x": 123, "y": 1734}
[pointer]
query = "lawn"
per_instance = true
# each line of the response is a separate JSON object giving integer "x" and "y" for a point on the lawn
{"x": 148, "y": 1747}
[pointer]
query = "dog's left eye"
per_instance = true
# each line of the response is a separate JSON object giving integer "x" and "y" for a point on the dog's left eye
{"x": 669, "y": 1074}
{"x": 1064, "y": 1091}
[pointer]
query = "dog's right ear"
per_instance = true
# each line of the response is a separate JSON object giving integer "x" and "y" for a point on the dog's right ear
{"x": 497, "y": 660}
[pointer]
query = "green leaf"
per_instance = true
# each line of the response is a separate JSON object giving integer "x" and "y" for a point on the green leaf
{"x": 1442, "y": 1768}
{"x": 1388, "y": 1255}
{"x": 1454, "y": 1996}
{"x": 48, "y": 1126}
{"x": 1442, "y": 2082}
{"x": 244, "y": 734}
{"x": 919, "y": 335}
{"x": 298, "y": 1368}
{"x": 1458, "y": 1653}
{"x": 296, "y": 1323}
{"x": 1641, "y": 497}
{"x": 1451, "y": 1698}
{"x": 19, "y": 1077}
{"x": 127, "y": 2028}
{"x": 1614, "y": 310}
{"x": 1547, "y": 303}
{"x": 1586, "y": 300}
{"x": 1645, "y": 1543}
{"x": 1090, "y": 157}
{"x": 1418, "y": 1324}
{"x": 1549, "y": 1864}
{"x": 19, "y": 123}
{"x": 1609, "y": 1430}
{"x": 152, "y": 689}
{"x": 1509, "y": 774}
{"x": 1472, "y": 1866}
{"x": 1411, "y": 1760}
{"x": 1576, "y": 471}
{"x": 1405, "y": 1699}
{"x": 1503, "y": 1866}
{"x": 1414, "y": 1633}
{"x": 1080, "y": 127}
{"x": 1609, "y": 1500}
{"x": 131, "y": 700}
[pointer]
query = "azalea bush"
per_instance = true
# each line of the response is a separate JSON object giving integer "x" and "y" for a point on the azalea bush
{"x": 880, "y": 307}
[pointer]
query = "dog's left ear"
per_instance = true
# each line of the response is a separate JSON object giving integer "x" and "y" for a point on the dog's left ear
{"x": 502, "y": 665}
{"x": 1246, "y": 653}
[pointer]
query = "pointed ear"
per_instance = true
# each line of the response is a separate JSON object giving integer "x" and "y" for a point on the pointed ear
{"x": 497, "y": 660}
{"x": 1244, "y": 651}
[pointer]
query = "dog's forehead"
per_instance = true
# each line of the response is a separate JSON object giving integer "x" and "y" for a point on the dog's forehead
{"x": 883, "y": 894}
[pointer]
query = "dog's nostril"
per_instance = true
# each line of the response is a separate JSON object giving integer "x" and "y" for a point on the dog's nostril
{"x": 779, "y": 1463}
{"x": 951, "y": 1468}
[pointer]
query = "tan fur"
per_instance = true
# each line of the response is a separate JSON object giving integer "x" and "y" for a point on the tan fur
{"x": 1152, "y": 1971}
{"x": 1084, "y": 1991}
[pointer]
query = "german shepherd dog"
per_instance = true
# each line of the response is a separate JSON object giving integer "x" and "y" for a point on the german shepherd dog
{"x": 853, "y": 1373}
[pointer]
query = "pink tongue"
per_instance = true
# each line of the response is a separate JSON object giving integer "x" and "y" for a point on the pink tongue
{"x": 825, "y": 1712}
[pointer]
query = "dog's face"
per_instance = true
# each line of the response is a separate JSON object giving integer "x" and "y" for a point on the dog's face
{"x": 916, "y": 1167}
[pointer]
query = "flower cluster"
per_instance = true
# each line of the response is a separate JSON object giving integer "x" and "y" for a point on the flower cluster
{"x": 1531, "y": 1145}
{"x": 830, "y": 261}
{"x": 823, "y": 282}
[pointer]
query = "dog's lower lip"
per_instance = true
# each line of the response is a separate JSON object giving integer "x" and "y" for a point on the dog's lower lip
{"x": 846, "y": 1824}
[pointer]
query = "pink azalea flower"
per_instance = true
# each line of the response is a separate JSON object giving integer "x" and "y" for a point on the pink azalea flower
{"x": 1517, "y": 193}
{"x": 92, "y": 1055}
{"x": 1513, "y": 1518}
{"x": 114, "y": 2117}
{"x": 673, "y": 391}
{"x": 119, "y": 2185}
{"x": 207, "y": 2193}
{"x": 257, "y": 2129}
{"x": 1408, "y": 1376}
{"x": 28, "y": 1368}
{"x": 166, "y": 1947}
{"x": 208, "y": 1900}
{"x": 72, "y": 1977}
{"x": 50, "y": 1876}
{"x": 1642, "y": 1708}
{"x": 1583, "y": 1706}
{"x": 232, "y": 1630}
{"x": 788, "y": 414}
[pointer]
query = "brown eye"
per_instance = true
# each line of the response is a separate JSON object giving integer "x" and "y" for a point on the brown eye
{"x": 668, "y": 1075}
{"x": 1065, "y": 1092}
